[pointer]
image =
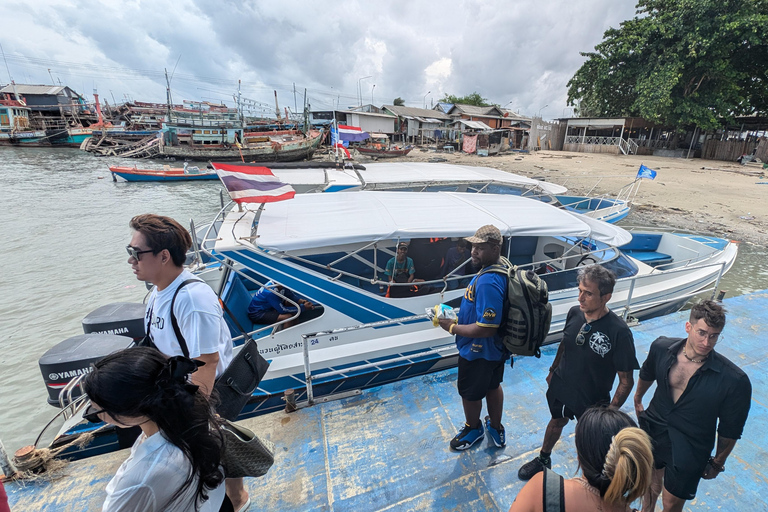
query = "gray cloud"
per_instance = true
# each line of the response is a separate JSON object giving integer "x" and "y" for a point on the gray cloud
{"x": 522, "y": 53}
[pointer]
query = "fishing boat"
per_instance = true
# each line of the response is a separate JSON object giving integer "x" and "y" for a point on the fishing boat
{"x": 212, "y": 143}
{"x": 332, "y": 249}
{"x": 379, "y": 146}
{"x": 167, "y": 173}
{"x": 15, "y": 127}
{"x": 433, "y": 177}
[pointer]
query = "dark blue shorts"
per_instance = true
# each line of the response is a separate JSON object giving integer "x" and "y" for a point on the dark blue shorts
{"x": 477, "y": 377}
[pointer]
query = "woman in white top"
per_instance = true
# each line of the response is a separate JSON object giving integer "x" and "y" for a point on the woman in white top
{"x": 174, "y": 465}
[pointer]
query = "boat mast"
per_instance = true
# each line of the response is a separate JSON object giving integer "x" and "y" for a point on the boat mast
{"x": 168, "y": 95}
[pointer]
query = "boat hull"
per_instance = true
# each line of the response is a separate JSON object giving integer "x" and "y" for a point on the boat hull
{"x": 384, "y": 153}
{"x": 291, "y": 151}
{"x": 144, "y": 175}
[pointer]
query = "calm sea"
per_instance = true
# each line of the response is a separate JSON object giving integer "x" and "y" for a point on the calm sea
{"x": 63, "y": 255}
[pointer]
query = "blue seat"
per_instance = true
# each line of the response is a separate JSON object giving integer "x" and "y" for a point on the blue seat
{"x": 651, "y": 258}
{"x": 237, "y": 297}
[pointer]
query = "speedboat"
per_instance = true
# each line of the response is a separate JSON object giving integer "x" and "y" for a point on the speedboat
{"x": 331, "y": 249}
{"x": 434, "y": 177}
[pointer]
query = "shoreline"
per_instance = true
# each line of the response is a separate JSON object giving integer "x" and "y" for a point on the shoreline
{"x": 711, "y": 196}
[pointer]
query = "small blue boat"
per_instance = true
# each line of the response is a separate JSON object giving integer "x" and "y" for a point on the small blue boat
{"x": 187, "y": 173}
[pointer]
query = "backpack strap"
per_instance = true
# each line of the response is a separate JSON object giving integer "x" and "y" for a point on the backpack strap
{"x": 174, "y": 323}
{"x": 553, "y": 491}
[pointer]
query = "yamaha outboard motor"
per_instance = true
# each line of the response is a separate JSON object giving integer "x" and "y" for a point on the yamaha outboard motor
{"x": 107, "y": 329}
{"x": 73, "y": 357}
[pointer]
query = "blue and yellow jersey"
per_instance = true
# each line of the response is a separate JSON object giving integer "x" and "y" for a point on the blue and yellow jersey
{"x": 483, "y": 304}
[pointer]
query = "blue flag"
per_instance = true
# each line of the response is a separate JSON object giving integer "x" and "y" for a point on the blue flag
{"x": 645, "y": 172}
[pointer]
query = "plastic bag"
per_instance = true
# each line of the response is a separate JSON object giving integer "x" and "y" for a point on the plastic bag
{"x": 441, "y": 311}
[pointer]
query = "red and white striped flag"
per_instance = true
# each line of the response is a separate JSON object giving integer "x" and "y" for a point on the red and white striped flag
{"x": 252, "y": 183}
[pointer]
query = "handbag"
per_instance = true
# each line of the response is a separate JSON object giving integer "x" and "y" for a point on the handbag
{"x": 244, "y": 453}
{"x": 236, "y": 385}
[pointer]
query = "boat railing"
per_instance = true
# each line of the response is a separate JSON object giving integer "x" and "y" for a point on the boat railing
{"x": 628, "y": 306}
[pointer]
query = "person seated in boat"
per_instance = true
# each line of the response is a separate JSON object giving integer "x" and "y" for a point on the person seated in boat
{"x": 267, "y": 307}
{"x": 400, "y": 269}
{"x": 174, "y": 465}
{"x": 616, "y": 463}
{"x": 454, "y": 257}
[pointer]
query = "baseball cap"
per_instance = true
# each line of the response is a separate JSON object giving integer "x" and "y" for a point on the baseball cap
{"x": 486, "y": 234}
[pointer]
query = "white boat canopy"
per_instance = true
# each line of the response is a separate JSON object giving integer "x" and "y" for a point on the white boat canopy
{"x": 397, "y": 174}
{"x": 310, "y": 221}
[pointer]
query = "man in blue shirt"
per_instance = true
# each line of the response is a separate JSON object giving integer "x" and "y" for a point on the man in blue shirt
{"x": 267, "y": 307}
{"x": 481, "y": 353}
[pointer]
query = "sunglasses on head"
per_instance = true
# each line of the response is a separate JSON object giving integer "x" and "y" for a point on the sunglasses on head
{"x": 134, "y": 253}
{"x": 580, "y": 338}
{"x": 91, "y": 414}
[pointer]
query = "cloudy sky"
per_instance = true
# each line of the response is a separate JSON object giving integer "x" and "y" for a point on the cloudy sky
{"x": 516, "y": 53}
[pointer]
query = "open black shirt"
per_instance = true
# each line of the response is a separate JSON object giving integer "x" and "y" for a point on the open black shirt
{"x": 719, "y": 390}
{"x": 586, "y": 373}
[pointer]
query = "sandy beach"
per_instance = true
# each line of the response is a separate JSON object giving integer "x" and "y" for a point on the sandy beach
{"x": 709, "y": 196}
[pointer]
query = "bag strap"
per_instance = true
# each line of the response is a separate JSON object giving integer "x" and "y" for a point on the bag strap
{"x": 553, "y": 492}
{"x": 174, "y": 323}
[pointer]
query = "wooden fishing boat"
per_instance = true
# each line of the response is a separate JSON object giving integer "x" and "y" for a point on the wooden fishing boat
{"x": 379, "y": 147}
{"x": 167, "y": 173}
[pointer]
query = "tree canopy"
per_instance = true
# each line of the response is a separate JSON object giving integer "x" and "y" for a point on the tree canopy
{"x": 398, "y": 102}
{"x": 679, "y": 63}
{"x": 470, "y": 99}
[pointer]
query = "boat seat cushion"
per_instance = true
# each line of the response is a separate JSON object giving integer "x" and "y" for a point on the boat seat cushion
{"x": 642, "y": 242}
{"x": 651, "y": 258}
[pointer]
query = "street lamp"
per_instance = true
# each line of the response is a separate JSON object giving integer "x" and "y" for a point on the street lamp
{"x": 360, "y": 90}
{"x": 372, "y": 88}
{"x": 542, "y": 108}
{"x": 425, "y": 98}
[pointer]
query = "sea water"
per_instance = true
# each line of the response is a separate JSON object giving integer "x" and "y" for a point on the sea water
{"x": 63, "y": 255}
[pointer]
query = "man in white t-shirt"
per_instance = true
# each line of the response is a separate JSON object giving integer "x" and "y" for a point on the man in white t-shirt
{"x": 157, "y": 252}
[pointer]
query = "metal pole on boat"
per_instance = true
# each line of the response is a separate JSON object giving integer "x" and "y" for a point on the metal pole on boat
{"x": 307, "y": 369}
{"x": 6, "y": 466}
{"x": 629, "y": 299}
{"x": 717, "y": 283}
{"x": 195, "y": 244}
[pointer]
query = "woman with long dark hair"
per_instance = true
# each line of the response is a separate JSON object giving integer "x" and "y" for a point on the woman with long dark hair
{"x": 174, "y": 465}
{"x": 616, "y": 463}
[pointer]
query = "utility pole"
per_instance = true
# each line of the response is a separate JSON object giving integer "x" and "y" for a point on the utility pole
{"x": 168, "y": 95}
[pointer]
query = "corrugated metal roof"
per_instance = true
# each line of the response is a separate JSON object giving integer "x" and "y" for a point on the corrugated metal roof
{"x": 416, "y": 112}
{"x": 472, "y": 110}
{"x": 477, "y": 125}
{"x": 370, "y": 114}
{"x": 51, "y": 90}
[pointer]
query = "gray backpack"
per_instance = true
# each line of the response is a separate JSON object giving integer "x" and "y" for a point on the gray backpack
{"x": 527, "y": 311}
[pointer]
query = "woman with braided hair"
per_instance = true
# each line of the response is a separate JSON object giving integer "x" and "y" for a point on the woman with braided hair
{"x": 616, "y": 463}
{"x": 174, "y": 465}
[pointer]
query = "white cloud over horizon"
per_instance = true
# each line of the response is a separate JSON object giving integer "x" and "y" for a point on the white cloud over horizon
{"x": 520, "y": 53}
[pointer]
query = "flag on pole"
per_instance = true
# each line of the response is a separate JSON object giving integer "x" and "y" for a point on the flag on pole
{"x": 352, "y": 133}
{"x": 645, "y": 172}
{"x": 252, "y": 183}
{"x": 336, "y": 141}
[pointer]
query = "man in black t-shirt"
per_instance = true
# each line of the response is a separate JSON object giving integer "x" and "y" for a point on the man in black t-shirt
{"x": 699, "y": 392}
{"x": 596, "y": 346}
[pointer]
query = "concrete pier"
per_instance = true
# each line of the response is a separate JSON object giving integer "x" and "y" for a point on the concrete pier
{"x": 387, "y": 449}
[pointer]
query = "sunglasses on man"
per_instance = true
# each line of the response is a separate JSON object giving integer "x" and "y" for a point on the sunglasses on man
{"x": 134, "y": 252}
{"x": 581, "y": 337}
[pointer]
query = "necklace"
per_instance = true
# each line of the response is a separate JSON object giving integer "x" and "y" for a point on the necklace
{"x": 692, "y": 359}
{"x": 599, "y": 501}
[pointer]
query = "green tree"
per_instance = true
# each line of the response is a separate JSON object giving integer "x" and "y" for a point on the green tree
{"x": 470, "y": 99}
{"x": 679, "y": 63}
{"x": 398, "y": 102}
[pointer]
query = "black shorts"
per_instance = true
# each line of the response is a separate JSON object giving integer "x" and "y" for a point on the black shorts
{"x": 678, "y": 481}
{"x": 558, "y": 409}
{"x": 264, "y": 317}
{"x": 478, "y": 377}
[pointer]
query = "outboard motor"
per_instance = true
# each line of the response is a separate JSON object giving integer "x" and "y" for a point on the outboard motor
{"x": 73, "y": 357}
{"x": 107, "y": 329}
{"x": 120, "y": 318}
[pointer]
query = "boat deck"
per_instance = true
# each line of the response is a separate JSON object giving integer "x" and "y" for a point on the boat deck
{"x": 387, "y": 449}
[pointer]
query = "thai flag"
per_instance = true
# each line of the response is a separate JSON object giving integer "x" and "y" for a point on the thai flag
{"x": 251, "y": 183}
{"x": 645, "y": 172}
{"x": 351, "y": 133}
